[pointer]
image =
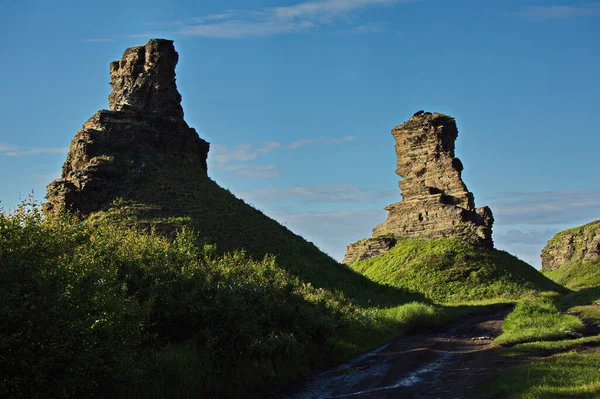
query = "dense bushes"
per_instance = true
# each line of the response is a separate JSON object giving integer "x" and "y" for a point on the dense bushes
{"x": 103, "y": 309}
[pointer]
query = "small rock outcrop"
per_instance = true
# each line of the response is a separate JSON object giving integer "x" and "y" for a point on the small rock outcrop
{"x": 436, "y": 202}
{"x": 368, "y": 248}
{"x": 577, "y": 245}
{"x": 142, "y": 130}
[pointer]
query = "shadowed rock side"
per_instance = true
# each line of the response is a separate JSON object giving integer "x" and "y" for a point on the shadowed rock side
{"x": 436, "y": 202}
{"x": 577, "y": 245}
{"x": 143, "y": 130}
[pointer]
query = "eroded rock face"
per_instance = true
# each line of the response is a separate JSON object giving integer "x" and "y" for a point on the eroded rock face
{"x": 143, "y": 130}
{"x": 580, "y": 244}
{"x": 368, "y": 248}
{"x": 436, "y": 202}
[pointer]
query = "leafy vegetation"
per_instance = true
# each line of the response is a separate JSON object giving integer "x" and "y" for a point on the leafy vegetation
{"x": 177, "y": 196}
{"x": 88, "y": 308}
{"x": 537, "y": 319}
{"x": 448, "y": 270}
{"x": 179, "y": 288}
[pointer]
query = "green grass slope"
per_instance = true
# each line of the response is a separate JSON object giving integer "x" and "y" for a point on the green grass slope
{"x": 448, "y": 270}
{"x": 576, "y": 274}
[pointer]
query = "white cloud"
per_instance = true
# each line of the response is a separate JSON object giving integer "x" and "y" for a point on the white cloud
{"x": 16, "y": 151}
{"x": 561, "y": 12}
{"x": 235, "y": 159}
{"x": 551, "y": 207}
{"x": 371, "y": 27}
{"x": 241, "y": 153}
{"x": 318, "y": 193}
{"x": 270, "y": 21}
{"x": 254, "y": 171}
{"x": 324, "y": 140}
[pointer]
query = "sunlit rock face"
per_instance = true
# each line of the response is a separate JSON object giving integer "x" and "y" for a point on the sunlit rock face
{"x": 436, "y": 202}
{"x": 577, "y": 245}
{"x": 142, "y": 131}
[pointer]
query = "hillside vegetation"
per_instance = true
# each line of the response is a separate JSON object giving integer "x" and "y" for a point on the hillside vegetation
{"x": 97, "y": 308}
{"x": 448, "y": 270}
{"x": 576, "y": 274}
{"x": 179, "y": 288}
{"x": 177, "y": 196}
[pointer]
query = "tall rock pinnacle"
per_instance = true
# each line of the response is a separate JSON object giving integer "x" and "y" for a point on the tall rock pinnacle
{"x": 436, "y": 202}
{"x": 143, "y": 130}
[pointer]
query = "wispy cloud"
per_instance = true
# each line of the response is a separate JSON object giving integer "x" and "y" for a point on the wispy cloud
{"x": 98, "y": 40}
{"x": 371, "y": 27}
{"x": 323, "y": 140}
{"x": 549, "y": 207}
{"x": 16, "y": 151}
{"x": 318, "y": 193}
{"x": 253, "y": 171}
{"x": 561, "y": 12}
{"x": 242, "y": 152}
{"x": 235, "y": 159}
{"x": 300, "y": 17}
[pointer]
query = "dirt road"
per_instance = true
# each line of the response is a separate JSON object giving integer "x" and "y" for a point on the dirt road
{"x": 452, "y": 363}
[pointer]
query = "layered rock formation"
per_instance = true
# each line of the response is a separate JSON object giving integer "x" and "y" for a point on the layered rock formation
{"x": 369, "y": 248}
{"x": 142, "y": 131}
{"x": 436, "y": 202}
{"x": 574, "y": 246}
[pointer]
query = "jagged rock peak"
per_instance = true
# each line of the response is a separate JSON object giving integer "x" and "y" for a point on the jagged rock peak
{"x": 436, "y": 202}
{"x": 144, "y": 79}
{"x": 143, "y": 131}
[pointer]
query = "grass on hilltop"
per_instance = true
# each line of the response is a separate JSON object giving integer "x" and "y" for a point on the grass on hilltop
{"x": 449, "y": 270}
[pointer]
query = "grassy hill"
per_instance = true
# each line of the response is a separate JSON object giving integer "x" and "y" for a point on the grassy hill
{"x": 448, "y": 270}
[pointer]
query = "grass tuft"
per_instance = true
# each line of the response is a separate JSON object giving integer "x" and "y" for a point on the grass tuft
{"x": 537, "y": 319}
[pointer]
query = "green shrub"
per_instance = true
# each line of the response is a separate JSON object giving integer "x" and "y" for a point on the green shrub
{"x": 66, "y": 323}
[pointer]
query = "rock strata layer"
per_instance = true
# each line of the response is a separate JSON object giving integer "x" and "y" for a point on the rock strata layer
{"x": 368, "y": 248}
{"x": 142, "y": 130}
{"x": 578, "y": 245}
{"x": 436, "y": 202}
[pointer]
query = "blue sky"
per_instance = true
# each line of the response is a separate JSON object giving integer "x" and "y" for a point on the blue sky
{"x": 297, "y": 99}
